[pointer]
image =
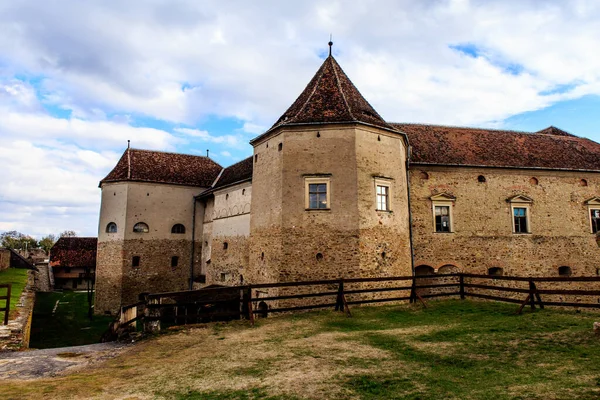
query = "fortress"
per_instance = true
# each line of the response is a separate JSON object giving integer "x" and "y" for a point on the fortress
{"x": 334, "y": 191}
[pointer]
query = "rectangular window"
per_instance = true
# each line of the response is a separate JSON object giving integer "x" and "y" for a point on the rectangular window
{"x": 317, "y": 194}
{"x": 442, "y": 218}
{"x": 595, "y": 216}
{"x": 520, "y": 219}
{"x": 383, "y": 193}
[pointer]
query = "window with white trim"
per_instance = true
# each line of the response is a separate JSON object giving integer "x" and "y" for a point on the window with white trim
{"x": 520, "y": 213}
{"x": 595, "y": 219}
{"x": 317, "y": 193}
{"x": 382, "y": 195}
{"x": 442, "y": 205}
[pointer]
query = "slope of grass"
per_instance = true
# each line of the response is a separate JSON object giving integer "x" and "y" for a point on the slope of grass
{"x": 61, "y": 319}
{"x": 17, "y": 277}
{"x": 451, "y": 350}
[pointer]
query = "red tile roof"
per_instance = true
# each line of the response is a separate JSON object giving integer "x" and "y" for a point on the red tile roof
{"x": 238, "y": 172}
{"x": 330, "y": 97}
{"x": 550, "y": 148}
{"x": 162, "y": 167}
{"x": 74, "y": 252}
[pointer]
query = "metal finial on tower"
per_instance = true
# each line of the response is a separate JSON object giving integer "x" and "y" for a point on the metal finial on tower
{"x": 128, "y": 143}
{"x": 330, "y": 44}
{"x": 207, "y": 153}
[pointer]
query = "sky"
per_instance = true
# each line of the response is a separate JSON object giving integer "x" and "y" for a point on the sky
{"x": 78, "y": 79}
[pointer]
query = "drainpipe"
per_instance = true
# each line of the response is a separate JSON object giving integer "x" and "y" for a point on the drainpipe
{"x": 193, "y": 246}
{"x": 410, "y": 220}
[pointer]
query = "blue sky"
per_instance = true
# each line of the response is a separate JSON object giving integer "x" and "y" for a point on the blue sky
{"x": 78, "y": 79}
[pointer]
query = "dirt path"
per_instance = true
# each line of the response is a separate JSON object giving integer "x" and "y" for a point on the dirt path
{"x": 51, "y": 362}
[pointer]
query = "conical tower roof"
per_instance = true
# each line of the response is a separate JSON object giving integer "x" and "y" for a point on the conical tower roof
{"x": 330, "y": 97}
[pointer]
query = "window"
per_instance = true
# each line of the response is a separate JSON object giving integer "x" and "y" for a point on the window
{"x": 135, "y": 261}
{"x": 442, "y": 213}
{"x": 317, "y": 193}
{"x": 595, "y": 218}
{"x": 178, "y": 228}
{"x": 111, "y": 227}
{"x": 495, "y": 271}
{"x": 481, "y": 179}
{"x": 174, "y": 261}
{"x": 564, "y": 271}
{"x": 520, "y": 223}
{"x": 141, "y": 227}
{"x": 280, "y": 147}
{"x": 520, "y": 210}
{"x": 382, "y": 195}
{"x": 594, "y": 213}
{"x": 225, "y": 245}
{"x": 442, "y": 218}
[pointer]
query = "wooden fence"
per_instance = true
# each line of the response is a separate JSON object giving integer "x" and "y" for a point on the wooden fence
{"x": 251, "y": 301}
{"x": 6, "y": 308}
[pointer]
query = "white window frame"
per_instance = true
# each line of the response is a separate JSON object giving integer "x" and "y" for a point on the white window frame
{"x": 320, "y": 180}
{"x": 443, "y": 200}
{"x": 520, "y": 201}
{"x": 387, "y": 184}
{"x": 593, "y": 204}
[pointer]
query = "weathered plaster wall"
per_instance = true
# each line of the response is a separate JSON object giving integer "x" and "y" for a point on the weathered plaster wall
{"x": 384, "y": 235}
{"x": 265, "y": 222}
{"x": 160, "y": 206}
{"x": 482, "y": 238}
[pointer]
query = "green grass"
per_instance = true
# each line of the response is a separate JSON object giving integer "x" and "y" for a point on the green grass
{"x": 451, "y": 350}
{"x": 69, "y": 325}
{"x": 17, "y": 277}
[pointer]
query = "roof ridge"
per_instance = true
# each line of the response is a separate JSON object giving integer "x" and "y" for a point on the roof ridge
{"x": 175, "y": 153}
{"x": 462, "y": 127}
{"x": 339, "y": 84}
{"x": 311, "y": 94}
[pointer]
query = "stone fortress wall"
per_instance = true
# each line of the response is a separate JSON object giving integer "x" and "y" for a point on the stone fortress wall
{"x": 160, "y": 206}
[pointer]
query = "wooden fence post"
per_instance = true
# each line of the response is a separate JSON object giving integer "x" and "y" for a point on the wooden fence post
{"x": 413, "y": 291}
{"x": 7, "y": 298}
{"x": 532, "y": 294}
{"x": 249, "y": 302}
{"x": 339, "y": 302}
{"x": 537, "y": 296}
{"x": 462, "y": 286}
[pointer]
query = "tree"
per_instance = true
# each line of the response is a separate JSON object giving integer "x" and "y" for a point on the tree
{"x": 17, "y": 241}
{"x": 68, "y": 234}
{"x": 47, "y": 242}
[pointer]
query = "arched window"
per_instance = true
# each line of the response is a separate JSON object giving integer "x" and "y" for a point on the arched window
{"x": 534, "y": 180}
{"x": 424, "y": 270}
{"x": 225, "y": 245}
{"x": 583, "y": 182}
{"x": 111, "y": 227}
{"x": 495, "y": 271}
{"x": 178, "y": 228}
{"x": 564, "y": 271}
{"x": 319, "y": 256}
{"x": 141, "y": 227}
{"x": 481, "y": 179}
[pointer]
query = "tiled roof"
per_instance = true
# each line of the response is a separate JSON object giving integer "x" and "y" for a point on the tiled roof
{"x": 238, "y": 172}
{"x": 162, "y": 167}
{"x": 330, "y": 97}
{"x": 550, "y": 148}
{"x": 74, "y": 252}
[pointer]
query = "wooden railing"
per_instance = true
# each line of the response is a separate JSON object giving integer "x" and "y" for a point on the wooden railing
{"x": 250, "y": 301}
{"x": 6, "y": 307}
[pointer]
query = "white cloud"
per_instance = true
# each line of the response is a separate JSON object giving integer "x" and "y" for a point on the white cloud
{"x": 112, "y": 63}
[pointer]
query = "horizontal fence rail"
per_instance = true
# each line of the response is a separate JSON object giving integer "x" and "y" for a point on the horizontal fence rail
{"x": 252, "y": 301}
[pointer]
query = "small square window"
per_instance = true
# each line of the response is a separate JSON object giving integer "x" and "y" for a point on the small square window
{"x": 135, "y": 261}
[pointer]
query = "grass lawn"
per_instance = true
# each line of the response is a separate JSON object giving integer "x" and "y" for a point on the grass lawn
{"x": 17, "y": 277}
{"x": 452, "y": 350}
{"x": 68, "y": 325}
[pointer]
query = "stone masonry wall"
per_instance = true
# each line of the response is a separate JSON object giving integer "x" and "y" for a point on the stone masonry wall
{"x": 482, "y": 238}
